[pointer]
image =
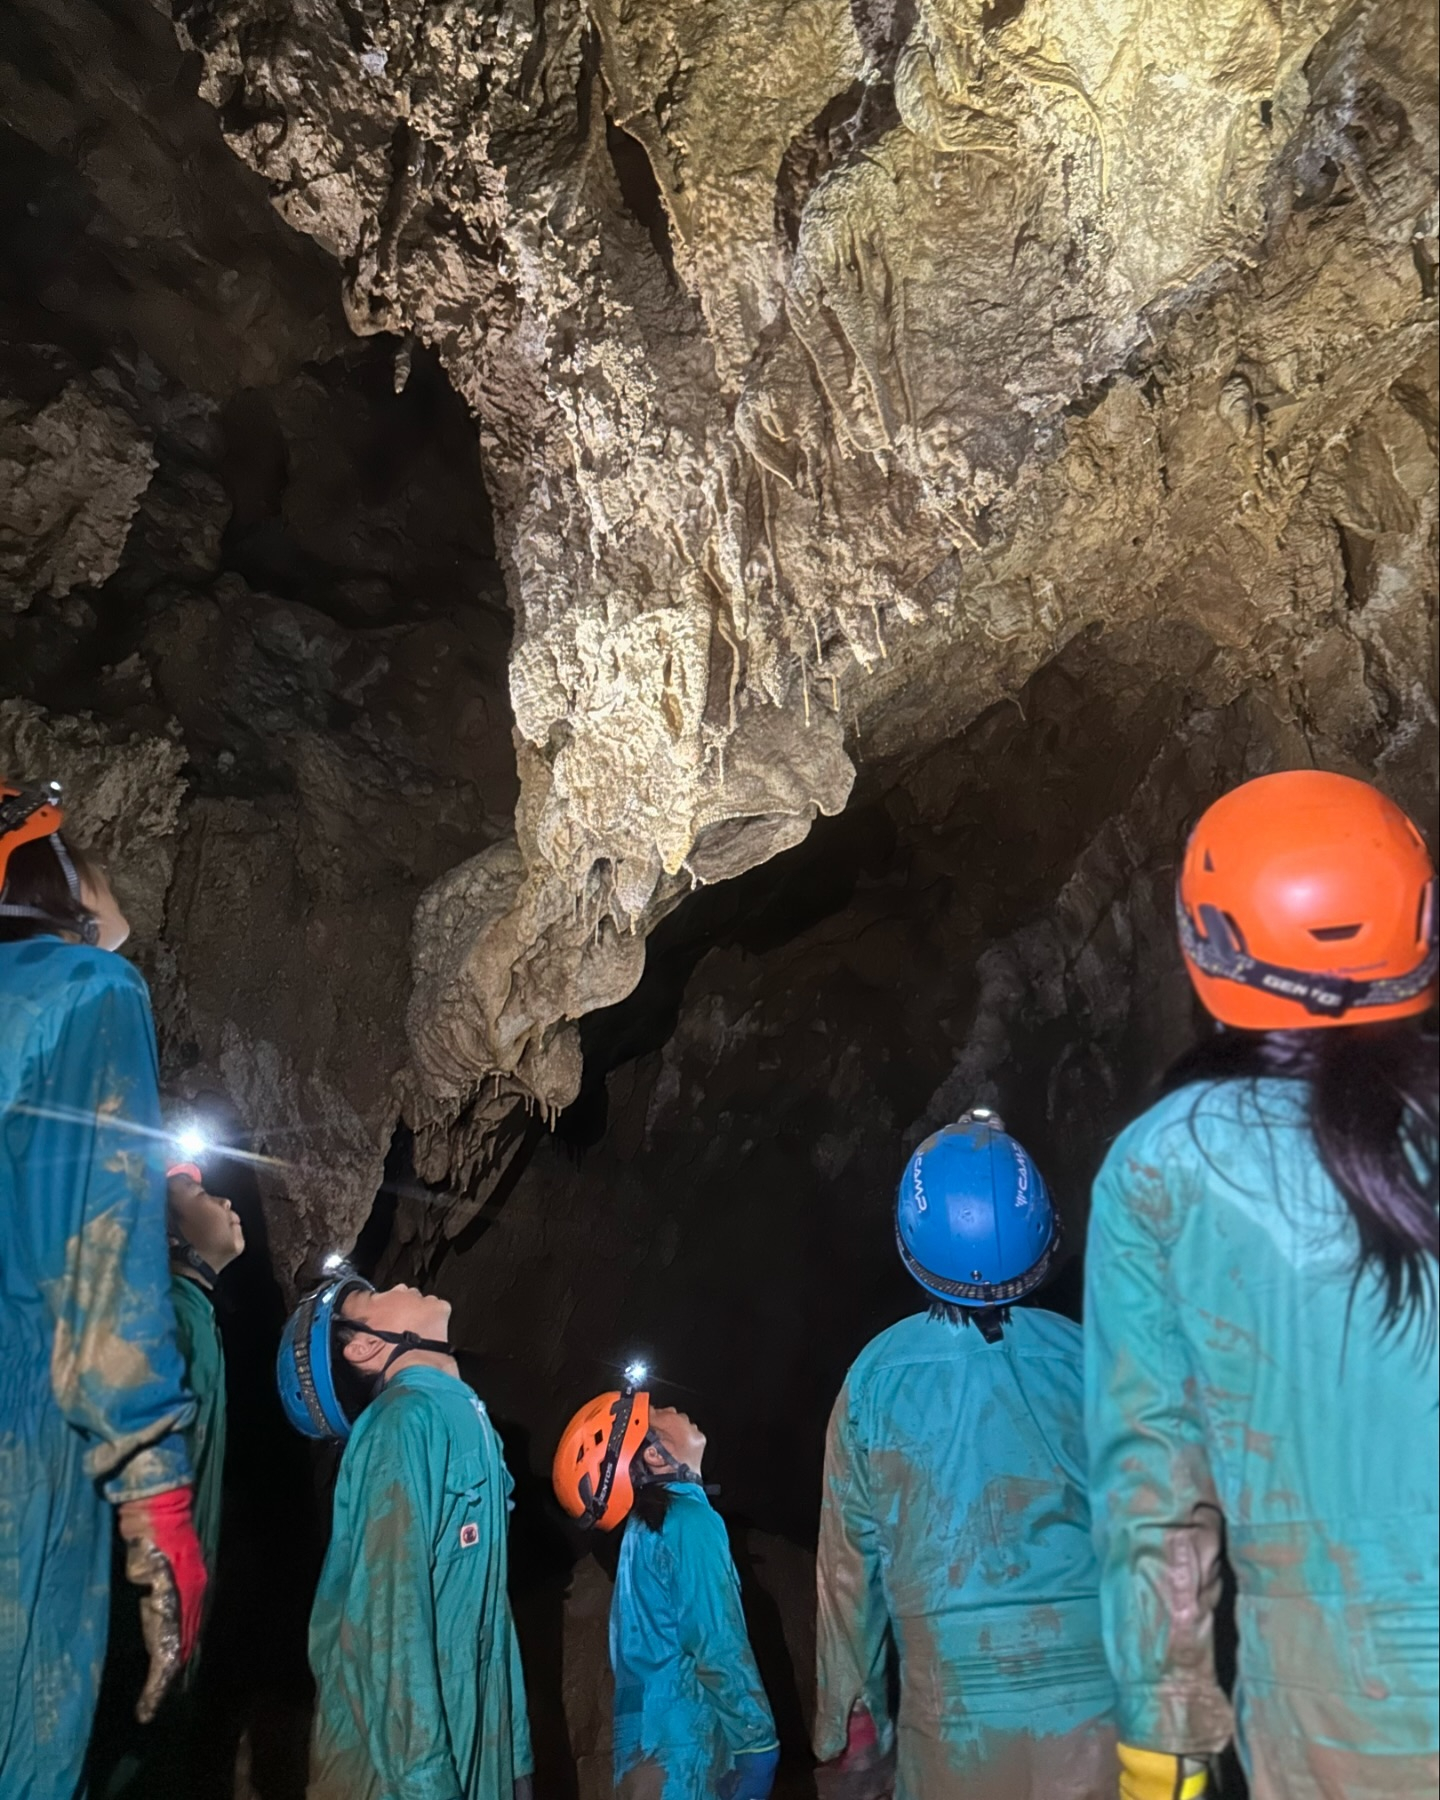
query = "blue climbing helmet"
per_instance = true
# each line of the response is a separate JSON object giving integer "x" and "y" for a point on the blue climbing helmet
{"x": 303, "y": 1370}
{"x": 974, "y": 1219}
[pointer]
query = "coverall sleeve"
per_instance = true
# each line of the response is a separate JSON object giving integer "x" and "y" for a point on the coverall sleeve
{"x": 390, "y": 1656}
{"x": 96, "y": 1207}
{"x": 712, "y": 1628}
{"x": 1157, "y": 1519}
{"x": 853, "y": 1636}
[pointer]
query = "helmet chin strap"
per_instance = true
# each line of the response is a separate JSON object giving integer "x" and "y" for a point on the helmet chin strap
{"x": 404, "y": 1342}
{"x": 673, "y": 1471}
{"x": 183, "y": 1252}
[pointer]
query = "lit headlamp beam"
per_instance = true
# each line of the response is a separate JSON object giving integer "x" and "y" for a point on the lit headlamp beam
{"x": 76, "y": 1115}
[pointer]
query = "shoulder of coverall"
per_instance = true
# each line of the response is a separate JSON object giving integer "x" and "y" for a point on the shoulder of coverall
{"x": 921, "y": 1340}
{"x": 50, "y": 964}
{"x": 690, "y": 1518}
{"x": 422, "y": 1406}
{"x": 1186, "y": 1142}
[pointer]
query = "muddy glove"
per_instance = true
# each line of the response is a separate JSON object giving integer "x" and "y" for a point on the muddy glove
{"x": 864, "y": 1771}
{"x": 752, "y": 1776}
{"x": 1156, "y": 1775}
{"x": 163, "y": 1559}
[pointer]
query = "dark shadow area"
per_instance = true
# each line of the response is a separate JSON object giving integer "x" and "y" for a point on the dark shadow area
{"x": 765, "y": 1628}
{"x": 641, "y": 192}
{"x": 253, "y": 1693}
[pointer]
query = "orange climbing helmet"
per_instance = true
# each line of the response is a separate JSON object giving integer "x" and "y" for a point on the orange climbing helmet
{"x": 591, "y": 1470}
{"x": 1308, "y": 899}
{"x": 26, "y": 814}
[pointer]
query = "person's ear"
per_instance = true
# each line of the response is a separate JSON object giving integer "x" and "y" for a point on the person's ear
{"x": 358, "y": 1347}
{"x": 653, "y": 1457}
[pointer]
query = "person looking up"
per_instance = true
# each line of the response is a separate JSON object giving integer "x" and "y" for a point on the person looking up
{"x": 955, "y": 1560}
{"x": 420, "y": 1694}
{"x": 691, "y": 1716}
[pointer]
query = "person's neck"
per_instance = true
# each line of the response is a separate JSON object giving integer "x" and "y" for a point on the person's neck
{"x": 186, "y": 1273}
{"x": 423, "y": 1359}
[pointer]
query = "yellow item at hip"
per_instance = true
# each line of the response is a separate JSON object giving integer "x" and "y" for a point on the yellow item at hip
{"x": 1157, "y": 1775}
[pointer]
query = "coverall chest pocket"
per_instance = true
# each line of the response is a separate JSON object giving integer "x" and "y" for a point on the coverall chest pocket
{"x": 463, "y": 1555}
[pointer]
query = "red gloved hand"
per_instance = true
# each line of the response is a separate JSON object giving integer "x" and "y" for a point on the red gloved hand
{"x": 860, "y": 1735}
{"x": 861, "y": 1771}
{"x": 163, "y": 1557}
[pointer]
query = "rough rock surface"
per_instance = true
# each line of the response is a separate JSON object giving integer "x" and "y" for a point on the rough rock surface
{"x": 72, "y": 473}
{"x": 838, "y": 364}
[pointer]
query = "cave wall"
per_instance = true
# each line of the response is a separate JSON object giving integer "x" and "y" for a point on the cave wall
{"x": 249, "y": 606}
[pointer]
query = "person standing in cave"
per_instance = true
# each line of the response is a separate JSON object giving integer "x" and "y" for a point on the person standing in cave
{"x": 420, "y": 1694}
{"x": 148, "y": 1762}
{"x": 691, "y": 1717}
{"x": 955, "y": 1563}
{"x": 93, "y": 1402}
{"x": 1260, "y": 1318}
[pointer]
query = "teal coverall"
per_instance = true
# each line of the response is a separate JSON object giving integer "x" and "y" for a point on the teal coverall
{"x": 92, "y": 1397}
{"x": 955, "y": 1536}
{"x": 688, "y": 1696}
{"x": 1239, "y": 1381}
{"x": 413, "y": 1649}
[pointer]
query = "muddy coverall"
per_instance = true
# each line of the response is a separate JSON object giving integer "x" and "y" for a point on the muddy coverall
{"x": 413, "y": 1648}
{"x": 688, "y": 1696}
{"x": 130, "y": 1761}
{"x": 955, "y": 1536}
{"x": 92, "y": 1397}
{"x": 1235, "y": 1373}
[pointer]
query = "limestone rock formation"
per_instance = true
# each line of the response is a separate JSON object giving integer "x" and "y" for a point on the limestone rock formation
{"x": 835, "y": 365}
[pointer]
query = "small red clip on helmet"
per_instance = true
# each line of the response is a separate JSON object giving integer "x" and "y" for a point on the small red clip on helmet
{"x": 1308, "y": 899}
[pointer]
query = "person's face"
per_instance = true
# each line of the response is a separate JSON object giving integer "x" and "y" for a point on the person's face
{"x": 208, "y": 1223}
{"x": 679, "y": 1436}
{"x": 397, "y": 1309}
{"x": 99, "y": 898}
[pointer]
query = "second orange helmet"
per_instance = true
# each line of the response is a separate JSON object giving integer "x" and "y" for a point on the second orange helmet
{"x": 591, "y": 1470}
{"x": 1308, "y": 899}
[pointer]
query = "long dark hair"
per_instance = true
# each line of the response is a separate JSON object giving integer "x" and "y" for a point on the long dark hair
{"x": 652, "y": 1497}
{"x": 35, "y": 876}
{"x": 1375, "y": 1116}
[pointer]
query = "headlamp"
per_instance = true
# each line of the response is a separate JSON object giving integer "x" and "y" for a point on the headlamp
{"x": 191, "y": 1142}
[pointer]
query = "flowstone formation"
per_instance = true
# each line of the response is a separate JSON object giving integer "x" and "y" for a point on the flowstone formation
{"x": 835, "y": 365}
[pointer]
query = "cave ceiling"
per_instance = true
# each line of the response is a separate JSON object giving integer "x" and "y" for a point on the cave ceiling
{"x": 836, "y": 364}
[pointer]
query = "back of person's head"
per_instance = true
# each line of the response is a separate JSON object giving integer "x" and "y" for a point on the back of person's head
{"x": 974, "y": 1222}
{"x": 1306, "y": 909}
{"x": 36, "y": 879}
